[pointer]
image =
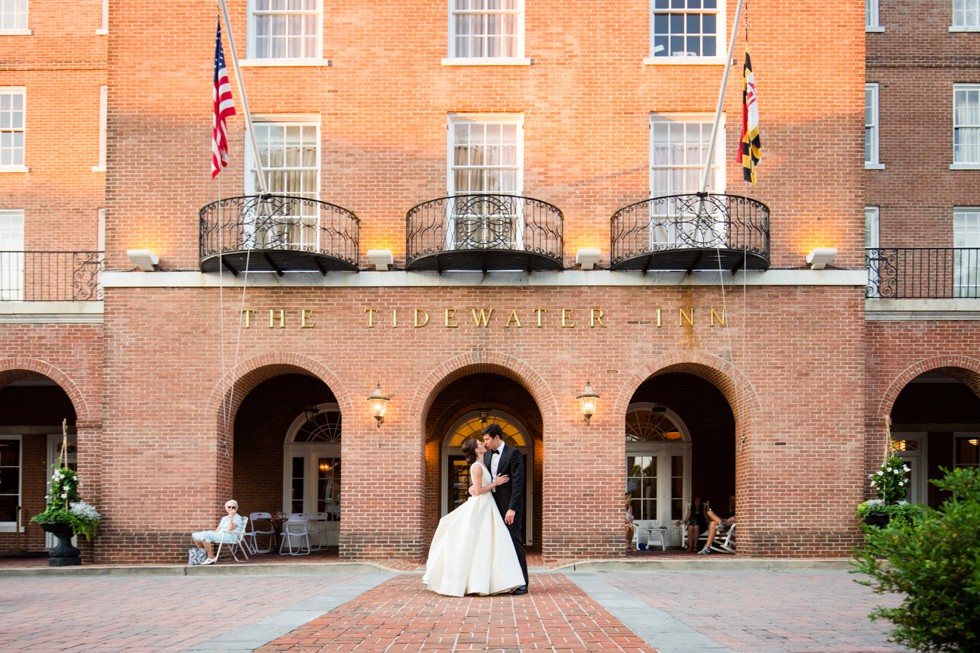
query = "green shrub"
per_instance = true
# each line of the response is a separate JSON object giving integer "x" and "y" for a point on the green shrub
{"x": 934, "y": 562}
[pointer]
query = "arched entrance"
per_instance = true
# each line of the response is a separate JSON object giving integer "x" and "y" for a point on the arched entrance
{"x": 456, "y": 476}
{"x": 936, "y": 424}
{"x": 312, "y": 469}
{"x": 680, "y": 443}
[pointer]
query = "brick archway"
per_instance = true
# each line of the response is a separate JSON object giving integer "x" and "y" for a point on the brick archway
{"x": 20, "y": 367}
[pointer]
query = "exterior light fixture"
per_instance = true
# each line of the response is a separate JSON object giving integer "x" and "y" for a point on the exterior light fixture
{"x": 587, "y": 257}
{"x": 821, "y": 257}
{"x": 144, "y": 259}
{"x": 587, "y": 402}
{"x": 484, "y": 415}
{"x": 379, "y": 405}
{"x": 381, "y": 258}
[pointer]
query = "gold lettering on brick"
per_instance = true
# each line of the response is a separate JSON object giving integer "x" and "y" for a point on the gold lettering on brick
{"x": 394, "y": 318}
{"x": 370, "y": 312}
{"x": 660, "y": 317}
{"x": 566, "y": 315}
{"x": 418, "y": 312}
{"x": 540, "y": 311}
{"x": 306, "y": 319}
{"x": 595, "y": 317}
{"x": 451, "y": 319}
{"x": 277, "y": 314}
{"x": 720, "y": 316}
{"x": 248, "y": 317}
{"x": 513, "y": 318}
{"x": 684, "y": 317}
{"x": 484, "y": 318}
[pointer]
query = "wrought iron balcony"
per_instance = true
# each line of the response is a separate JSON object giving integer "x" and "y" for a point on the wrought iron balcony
{"x": 691, "y": 232}
{"x": 485, "y": 232}
{"x": 275, "y": 233}
{"x": 923, "y": 273}
{"x": 51, "y": 276}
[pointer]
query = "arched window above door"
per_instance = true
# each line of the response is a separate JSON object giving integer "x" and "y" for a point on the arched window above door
{"x": 646, "y": 422}
{"x": 472, "y": 428}
{"x": 322, "y": 427}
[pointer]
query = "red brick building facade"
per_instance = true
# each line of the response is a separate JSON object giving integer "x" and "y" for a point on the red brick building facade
{"x": 487, "y": 146}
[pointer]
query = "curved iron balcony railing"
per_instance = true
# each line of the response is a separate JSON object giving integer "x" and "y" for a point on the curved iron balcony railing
{"x": 27, "y": 276}
{"x": 700, "y": 231}
{"x": 923, "y": 273}
{"x": 485, "y": 232}
{"x": 277, "y": 233}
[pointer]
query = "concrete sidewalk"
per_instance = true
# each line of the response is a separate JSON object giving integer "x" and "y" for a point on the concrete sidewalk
{"x": 593, "y": 607}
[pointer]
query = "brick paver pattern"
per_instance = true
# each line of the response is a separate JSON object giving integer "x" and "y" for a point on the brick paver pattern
{"x": 401, "y": 616}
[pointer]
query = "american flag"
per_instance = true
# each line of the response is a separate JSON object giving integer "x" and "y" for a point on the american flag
{"x": 224, "y": 106}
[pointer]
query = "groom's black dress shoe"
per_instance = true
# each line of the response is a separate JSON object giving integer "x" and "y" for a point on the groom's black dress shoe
{"x": 520, "y": 590}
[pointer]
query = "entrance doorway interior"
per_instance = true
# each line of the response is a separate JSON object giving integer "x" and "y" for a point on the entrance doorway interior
{"x": 312, "y": 470}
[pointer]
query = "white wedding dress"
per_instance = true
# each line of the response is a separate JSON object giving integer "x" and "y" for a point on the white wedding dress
{"x": 471, "y": 552}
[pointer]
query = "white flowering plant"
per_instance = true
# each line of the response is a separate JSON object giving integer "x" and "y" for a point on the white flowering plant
{"x": 66, "y": 506}
{"x": 891, "y": 482}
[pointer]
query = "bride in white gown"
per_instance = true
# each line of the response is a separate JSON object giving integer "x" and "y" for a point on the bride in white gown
{"x": 471, "y": 552}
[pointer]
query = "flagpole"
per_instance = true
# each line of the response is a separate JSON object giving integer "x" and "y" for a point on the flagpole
{"x": 241, "y": 92}
{"x": 721, "y": 98}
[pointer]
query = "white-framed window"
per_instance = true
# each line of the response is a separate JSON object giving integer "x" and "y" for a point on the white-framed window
{"x": 678, "y": 154}
{"x": 871, "y": 23}
{"x": 966, "y": 126}
{"x": 104, "y": 29}
{"x": 285, "y": 33}
{"x": 11, "y": 255}
{"x": 10, "y": 481}
{"x": 872, "y": 233}
{"x": 871, "y": 127}
{"x": 687, "y": 31}
{"x": 966, "y": 256}
{"x": 103, "y": 124}
{"x": 12, "y": 114}
{"x": 485, "y": 156}
{"x": 290, "y": 151}
{"x": 13, "y": 17}
{"x": 486, "y": 32}
{"x": 966, "y": 16}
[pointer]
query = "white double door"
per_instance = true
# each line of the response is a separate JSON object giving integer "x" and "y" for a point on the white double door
{"x": 659, "y": 477}
{"x": 312, "y": 475}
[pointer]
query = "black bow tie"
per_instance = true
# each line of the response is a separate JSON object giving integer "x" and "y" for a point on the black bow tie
{"x": 494, "y": 452}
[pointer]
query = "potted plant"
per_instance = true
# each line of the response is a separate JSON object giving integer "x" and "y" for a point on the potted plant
{"x": 66, "y": 515}
{"x": 890, "y": 483}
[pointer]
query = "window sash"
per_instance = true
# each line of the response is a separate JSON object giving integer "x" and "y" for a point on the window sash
{"x": 11, "y": 255}
{"x": 486, "y": 29}
{"x": 285, "y": 29}
{"x": 12, "y": 116}
{"x": 871, "y": 14}
{"x": 13, "y": 14}
{"x": 966, "y": 234}
{"x": 11, "y": 472}
{"x": 871, "y": 124}
{"x": 966, "y": 124}
{"x": 966, "y": 13}
{"x": 486, "y": 157}
{"x": 685, "y": 28}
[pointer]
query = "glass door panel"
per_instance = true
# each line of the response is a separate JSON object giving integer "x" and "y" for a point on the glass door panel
{"x": 642, "y": 484}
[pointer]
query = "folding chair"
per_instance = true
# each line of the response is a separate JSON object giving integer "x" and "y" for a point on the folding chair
{"x": 235, "y": 541}
{"x": 260, "y": 524}
{"x": 294, "y": 532}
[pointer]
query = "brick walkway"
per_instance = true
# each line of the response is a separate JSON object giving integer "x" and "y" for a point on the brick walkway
{"x": 401, "y": 615}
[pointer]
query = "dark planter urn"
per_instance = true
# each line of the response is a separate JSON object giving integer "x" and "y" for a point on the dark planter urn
{"x": 877, "y": 519}
{"x": 63, "y": 554}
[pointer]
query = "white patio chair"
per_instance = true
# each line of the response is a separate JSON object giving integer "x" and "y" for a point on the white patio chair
{"x": 725, "y": 542}
{"x": 234, "y": 542}
{"x": 295, "y": 536}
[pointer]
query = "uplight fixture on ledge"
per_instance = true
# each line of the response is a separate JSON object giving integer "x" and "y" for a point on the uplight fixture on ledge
{"x": 381, "y": 258}
{"x": 587, "y": 402}
{"x": 587, "y": 257}
{"x": 379, "y": 405}
{"x": 821, "y": 257}
{"x": 144, "y": 259}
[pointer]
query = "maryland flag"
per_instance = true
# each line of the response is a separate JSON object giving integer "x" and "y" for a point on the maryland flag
{"x": 750, "y": 146}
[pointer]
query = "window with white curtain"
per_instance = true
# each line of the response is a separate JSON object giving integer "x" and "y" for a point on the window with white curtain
{"x": 871, "y": 16}
{"x": 486, "y": 29}
{"x": 13, "y": 16}
{"x": 485, "y": 157}
{"x": 966, "y": 124}
{"x": 285, "y": 29}
{"x": 871, "y": 126}
{"x": 871, "y": 243}
{"x": 678, "y": 154}
{"x": 966, "y": 263}
{"x": 966, "y": 15}
{"x": 11, "y": 255}
{"x": 290, "y": 154}
{"x": 684, "y": 29}
{"x": 12, "y": 128}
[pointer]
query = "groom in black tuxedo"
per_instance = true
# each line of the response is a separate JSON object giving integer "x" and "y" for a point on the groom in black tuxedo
{"x": 509, "y": 497}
